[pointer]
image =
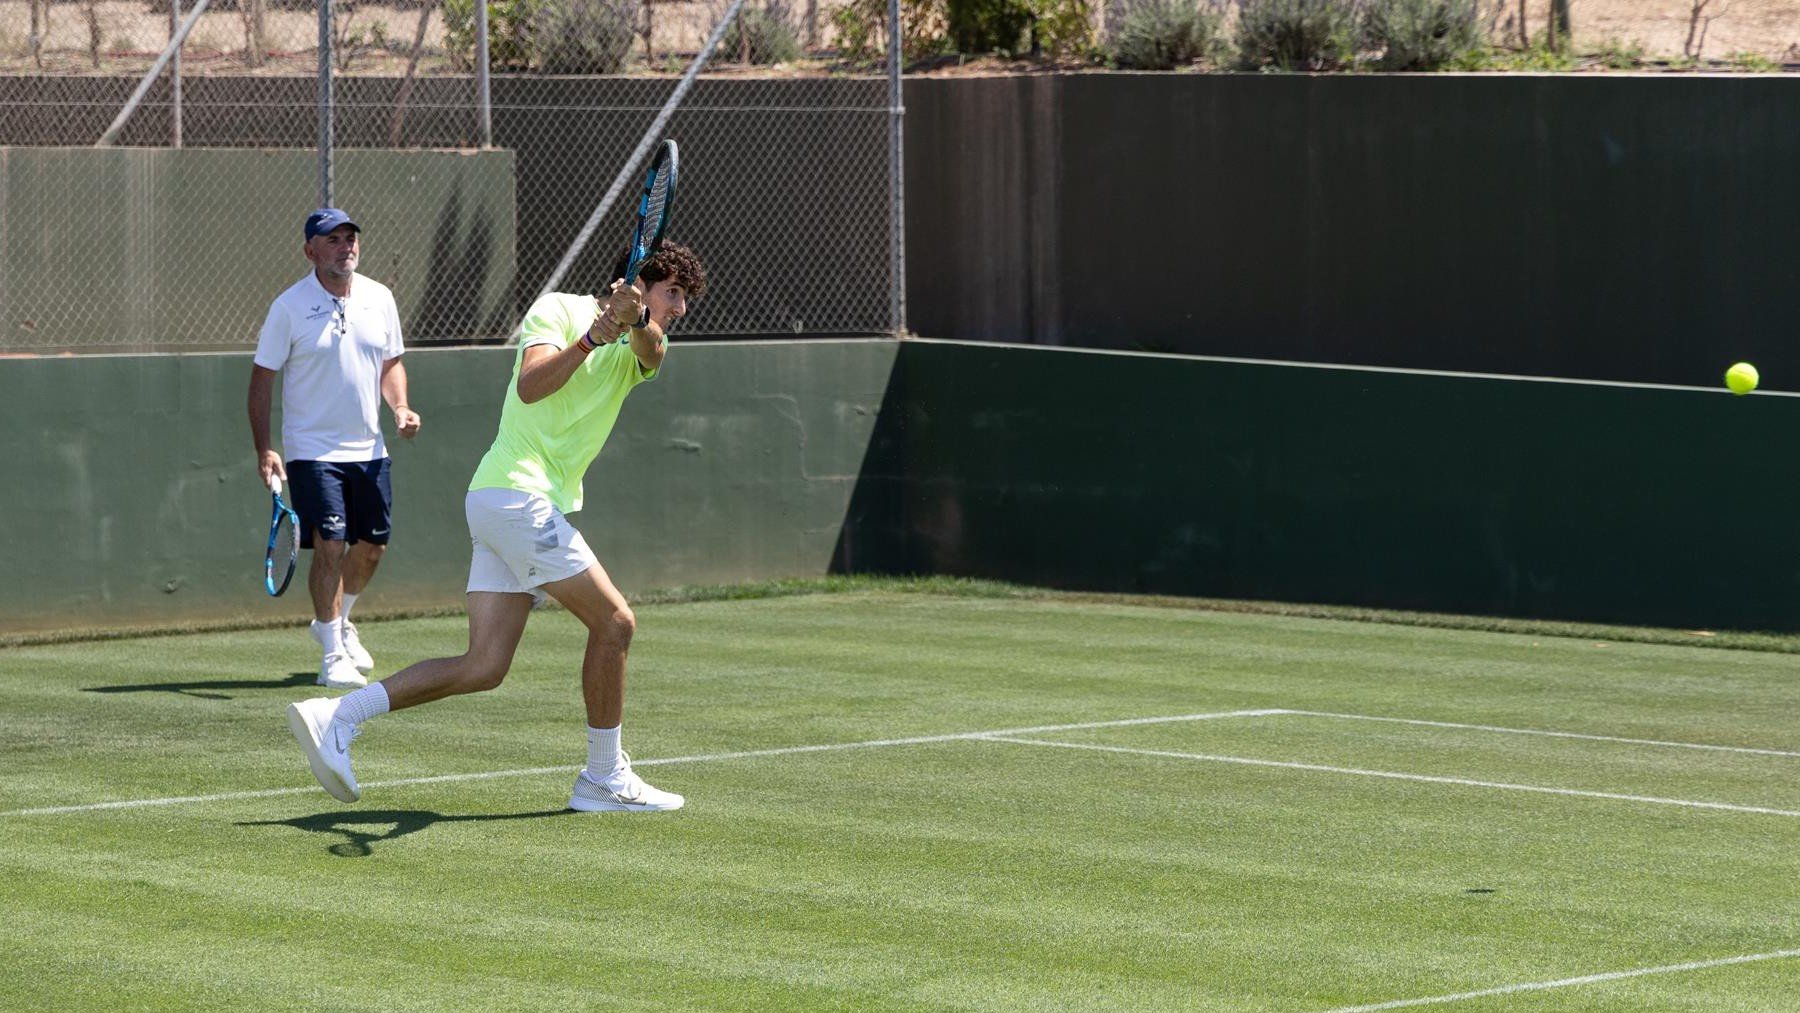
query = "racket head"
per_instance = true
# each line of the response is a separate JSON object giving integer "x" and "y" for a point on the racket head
{"x": 283, "y": 554}
{"x": 655, "y": 203}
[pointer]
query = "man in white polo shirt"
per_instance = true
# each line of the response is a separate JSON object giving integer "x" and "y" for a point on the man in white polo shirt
{"x": 335, "y": 335}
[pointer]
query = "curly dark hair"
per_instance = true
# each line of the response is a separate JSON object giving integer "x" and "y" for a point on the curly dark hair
{"x": 672, "y": 261}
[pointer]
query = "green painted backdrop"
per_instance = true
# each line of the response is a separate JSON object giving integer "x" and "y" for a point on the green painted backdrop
{"x": 1454, "y": 493}
{"x": 130, "y": 496}
{"x": 1605, "y": 226}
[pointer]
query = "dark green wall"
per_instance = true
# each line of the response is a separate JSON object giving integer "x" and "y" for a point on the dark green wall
{"x": 1464, "y": 494}
{"x": 129, "y": 495}
{"x": 1622, "y": 227}
{"x": 126, "y": 249}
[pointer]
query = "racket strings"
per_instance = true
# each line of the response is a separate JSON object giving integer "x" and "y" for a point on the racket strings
{"x": 653, "y": 209}
{"x": 656, "y": 204}
{"x": 286, "y": 541}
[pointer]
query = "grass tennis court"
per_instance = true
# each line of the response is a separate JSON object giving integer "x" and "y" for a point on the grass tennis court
{"x": 902, "y": 801}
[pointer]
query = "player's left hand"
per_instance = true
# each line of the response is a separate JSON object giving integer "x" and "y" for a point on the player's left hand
{"x": 625, "y": 305}
{"x": 407, "y": 422}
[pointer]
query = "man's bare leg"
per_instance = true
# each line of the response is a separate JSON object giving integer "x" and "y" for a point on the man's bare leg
{"x": 325, "y": 726}
{"x": 359, "y": 565}
{"x": 607, "y": 782}
{"x": 496, "y": 623}
{"x": 591, "y": 597}
{"x": 325, "y": 577}
{"x": 325, "y": 582}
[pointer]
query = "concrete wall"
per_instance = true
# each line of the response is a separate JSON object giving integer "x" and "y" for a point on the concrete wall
{"x": 129, "y": 494}
{"x": 1463, "y": 494}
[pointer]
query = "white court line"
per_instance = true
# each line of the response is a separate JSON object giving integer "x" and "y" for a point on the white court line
{"x": 1589, "y": 979}
{"x": 1538, "y": 731}
{"x": 701, "y": 758}
{"x": 1392, "y": 775}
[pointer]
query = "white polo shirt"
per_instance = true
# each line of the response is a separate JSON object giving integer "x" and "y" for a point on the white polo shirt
{"x": 330, "y": 352}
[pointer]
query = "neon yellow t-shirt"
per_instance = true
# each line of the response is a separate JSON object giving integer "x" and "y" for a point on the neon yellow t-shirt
{"x": 546, "y": 447}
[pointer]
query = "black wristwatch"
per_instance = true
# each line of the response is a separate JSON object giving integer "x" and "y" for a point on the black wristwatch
{"x": 642, "y": 322}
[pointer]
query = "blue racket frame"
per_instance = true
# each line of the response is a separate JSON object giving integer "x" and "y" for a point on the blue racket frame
{"x": 280, "y": 511}
{"x": 647, "y": 237}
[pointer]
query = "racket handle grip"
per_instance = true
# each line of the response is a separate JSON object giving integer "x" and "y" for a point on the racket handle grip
{"x": 274, "y": 483}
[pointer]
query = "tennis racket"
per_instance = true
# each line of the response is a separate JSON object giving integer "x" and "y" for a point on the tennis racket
{"x": 654, "y": 205}
{"x": 284, "y": 542}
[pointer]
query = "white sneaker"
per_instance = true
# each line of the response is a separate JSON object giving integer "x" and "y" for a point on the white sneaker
{"x": 326, "y": 742}
{"x": 336, "y": 672}
{"x": 354, "y": 648}
{"x": 621, "y": 791}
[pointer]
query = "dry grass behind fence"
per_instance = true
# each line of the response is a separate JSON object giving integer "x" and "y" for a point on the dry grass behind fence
{"x": 125, "y": 36}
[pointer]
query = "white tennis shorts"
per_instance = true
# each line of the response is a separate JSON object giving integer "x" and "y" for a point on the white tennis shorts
{"x": 521, "y": 542}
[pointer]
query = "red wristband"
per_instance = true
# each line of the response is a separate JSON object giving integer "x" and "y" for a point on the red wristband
{"x": 585, "y": 343}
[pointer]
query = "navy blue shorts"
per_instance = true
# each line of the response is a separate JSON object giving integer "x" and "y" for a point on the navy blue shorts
{"x": 344, "y": 501}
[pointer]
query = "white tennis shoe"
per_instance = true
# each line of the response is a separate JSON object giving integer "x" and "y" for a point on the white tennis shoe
{"x": 326, "y": 742}
{"x": 620, "y": 791}
{"x": 336, "y": 671}
{"x": 354, "y": 648}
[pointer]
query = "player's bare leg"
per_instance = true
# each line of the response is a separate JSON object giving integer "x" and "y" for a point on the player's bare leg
{"x": 591, "y": 597}
{"x": 607, "y": 782}
{"x": 496, "y": 623}
{"x": 325, "y": 727}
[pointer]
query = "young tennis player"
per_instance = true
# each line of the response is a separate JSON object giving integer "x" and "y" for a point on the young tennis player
{"x": 579, "y": 357}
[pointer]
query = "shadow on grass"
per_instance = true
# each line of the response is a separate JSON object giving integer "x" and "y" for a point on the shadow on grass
{"x": 383, "y": 825}
{"x": 211, "y": 690}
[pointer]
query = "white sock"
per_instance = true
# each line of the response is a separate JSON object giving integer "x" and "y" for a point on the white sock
{"x": 349, "y": 600}
{"x": 603, "y": 751}
{"x": 360, "y": 705}
{"x": 329, "y": 635}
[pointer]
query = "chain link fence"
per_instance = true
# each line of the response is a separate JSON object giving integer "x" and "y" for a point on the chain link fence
{"x": 391, "y": 39}
{"x": 786, "y": 187}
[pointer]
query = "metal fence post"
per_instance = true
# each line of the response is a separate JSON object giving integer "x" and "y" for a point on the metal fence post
{"x": 325, "y": 103}
{"x": 896, "y": 176}
{"x": 483, "y": 92}
{"x": 150, "y": 76}
{"x": 175, "y": 76}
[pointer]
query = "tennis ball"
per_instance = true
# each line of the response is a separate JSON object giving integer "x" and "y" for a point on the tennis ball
{"x": 1741, "y": 378}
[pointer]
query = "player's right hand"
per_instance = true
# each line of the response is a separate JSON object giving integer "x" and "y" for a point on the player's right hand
{"x": 269, "y": 463}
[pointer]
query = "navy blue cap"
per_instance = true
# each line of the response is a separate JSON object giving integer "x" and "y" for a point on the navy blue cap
{"x": 324, "y": 220}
